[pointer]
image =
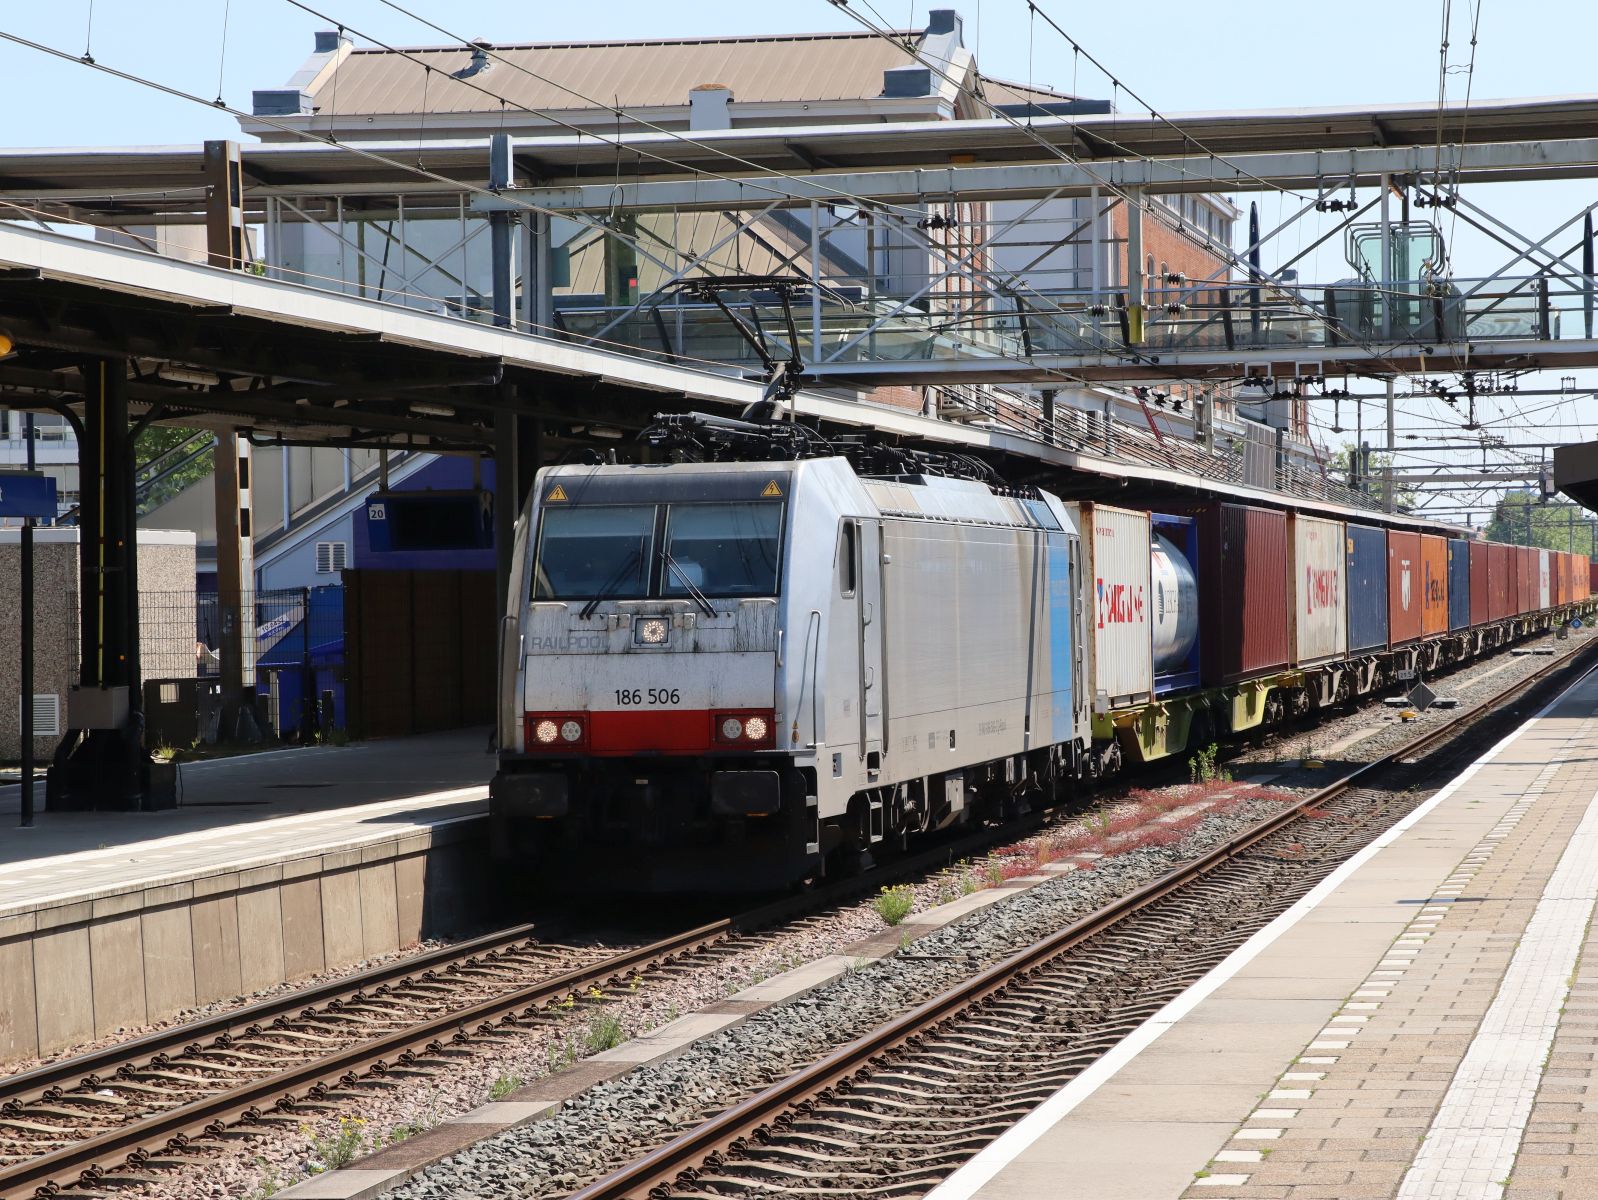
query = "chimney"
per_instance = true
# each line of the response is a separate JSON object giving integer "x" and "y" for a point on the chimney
{"x": 710, "y": 107}
{"x": 480, "y": 60}
{"x": 907, "y": 81}
{"x": 945, "y": 21}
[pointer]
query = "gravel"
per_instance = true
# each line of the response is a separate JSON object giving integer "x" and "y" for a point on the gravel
{"x": 17, "y": 1066}
{"x": 617, "y": 1120}
{"x": 600, "y": 1128}
{"x": 1279, "y": 757}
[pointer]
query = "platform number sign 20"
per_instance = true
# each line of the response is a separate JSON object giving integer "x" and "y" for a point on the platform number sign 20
{"x": 376, "y": 512}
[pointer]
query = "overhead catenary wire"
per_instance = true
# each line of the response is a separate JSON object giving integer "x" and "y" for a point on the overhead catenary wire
{"x": 1187, "y": 139}
{"x": 353, "y": 148}
{"x": 1176, "y": 224}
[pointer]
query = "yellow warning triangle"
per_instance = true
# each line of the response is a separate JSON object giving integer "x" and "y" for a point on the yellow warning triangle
{"x": 772, "y": 489}
{"x": 556, "y": 493}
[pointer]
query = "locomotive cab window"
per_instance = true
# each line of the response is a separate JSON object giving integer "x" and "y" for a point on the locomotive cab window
{"x": 597, "y": 551}
{"x": 846, "y": 559}
{"x": 721, "y": 550}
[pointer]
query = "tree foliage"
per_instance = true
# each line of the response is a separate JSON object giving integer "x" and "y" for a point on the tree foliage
{"x": 1344, "y": 461}
{"x": 157, "y": 440}
{"x": 1523, "y": 519}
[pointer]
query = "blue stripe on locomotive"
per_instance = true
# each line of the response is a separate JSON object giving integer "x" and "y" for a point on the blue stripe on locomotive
{"x": 1057, "y": 546}
{"x": 1459, "y": 583}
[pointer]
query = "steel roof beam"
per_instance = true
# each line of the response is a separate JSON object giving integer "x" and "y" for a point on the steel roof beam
{"x": 1493, "y": 162}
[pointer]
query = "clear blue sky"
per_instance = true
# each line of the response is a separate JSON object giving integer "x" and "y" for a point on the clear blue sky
{"x": 1178, "y": 56}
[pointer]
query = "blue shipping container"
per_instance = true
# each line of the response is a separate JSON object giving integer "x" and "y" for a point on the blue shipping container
{"x": 1459, "y": 583}
{"x": 1367, "y": 588}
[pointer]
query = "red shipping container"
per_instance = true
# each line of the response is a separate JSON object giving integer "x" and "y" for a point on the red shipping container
{"x": 1434, "y": 584}
{"x": 1478, "y": 583}
{"x": 1404, "y": 587}
{"x": 1592, "y": 577}
{"x": 1512, "y": 573}
{"x": 1244, "y": 608}
{"x": 1500, "y": 599}
{"x": 1526, "y": 557}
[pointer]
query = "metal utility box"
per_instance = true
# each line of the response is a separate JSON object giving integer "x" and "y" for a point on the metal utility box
{"x": 97, "y": 707}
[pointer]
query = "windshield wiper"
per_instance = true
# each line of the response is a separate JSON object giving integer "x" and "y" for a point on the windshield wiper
{"x": 614, "y": 581}
{"x": 699, "y": 597}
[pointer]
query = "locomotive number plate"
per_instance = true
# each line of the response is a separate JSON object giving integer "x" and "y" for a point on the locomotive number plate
{"x": 639, "y": 697}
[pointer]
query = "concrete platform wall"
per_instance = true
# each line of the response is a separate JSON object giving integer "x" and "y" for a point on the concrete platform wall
{"x": 84, "y": 969}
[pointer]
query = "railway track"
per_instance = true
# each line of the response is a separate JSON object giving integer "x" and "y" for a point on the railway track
{"x": 118, "y": 1115}
{"x": 897, "y": 1110}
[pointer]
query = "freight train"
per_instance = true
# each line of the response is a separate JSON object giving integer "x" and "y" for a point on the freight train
{"x": 740, "y": 674}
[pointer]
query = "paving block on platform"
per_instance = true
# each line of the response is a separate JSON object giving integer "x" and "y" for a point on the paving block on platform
{"x": 410, "y": 897}
{"x": 116, "y": 960}
{"x": 342, "y": 939}
{"x": 300, "y": 901}
{"x": 19, "y": 1031}
{"x": 379, "y": 909}
{"x": 168, "y": 940}
{"x": 215, "y": 923}
{"x": 63, "y": 982}
{"x": 260, "y": 938}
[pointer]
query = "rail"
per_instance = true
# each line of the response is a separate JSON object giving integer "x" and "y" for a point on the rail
{"x": 742, "y": 1120}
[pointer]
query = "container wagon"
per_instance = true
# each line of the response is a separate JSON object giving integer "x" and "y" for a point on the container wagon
{"x": 1458, "y": 584}
{"x": 1367, "y": 588}
{"x": 1244, "y": 608}
{"x": 1319, "y": 572}
{"x": 1434, "y": 585}
{"x": 1500, "y": 597}
{"x": 1403, "y": 588}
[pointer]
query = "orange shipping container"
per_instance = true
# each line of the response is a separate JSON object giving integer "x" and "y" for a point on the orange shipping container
{"x": 1403, "y": 587}
{"x": 1434, "y": 585}
{"x": 1559, "y": 563}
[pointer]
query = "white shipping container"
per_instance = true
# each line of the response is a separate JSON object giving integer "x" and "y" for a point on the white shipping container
{"x": 1319, "y": 587}
{"x": 1120, "y": 635}
{"x": 1544, "y": 600}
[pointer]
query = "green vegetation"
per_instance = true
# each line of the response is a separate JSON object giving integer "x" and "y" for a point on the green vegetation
{"x": 340, "y": 1148}
{"x": 894, "y": 903}
{"x": 156, "y": 440}
{"x": 504, "y": 1086}
{"x": 1522, "y": 519}
{"x": 605, "y": 1032}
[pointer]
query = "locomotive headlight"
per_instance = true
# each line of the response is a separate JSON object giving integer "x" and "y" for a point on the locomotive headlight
{"x": 547, "y": 731}
{"x": 570, "y": 730}
{"x": 732, "y": 729}
{"x": 651, "y": 631}
{"x": 755, "y": 729}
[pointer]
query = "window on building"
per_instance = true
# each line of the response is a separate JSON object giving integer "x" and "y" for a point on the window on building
{"x": 331, "y": 557}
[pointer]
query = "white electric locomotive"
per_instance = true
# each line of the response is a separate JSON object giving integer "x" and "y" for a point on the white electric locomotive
{"x": 741, "y": 674}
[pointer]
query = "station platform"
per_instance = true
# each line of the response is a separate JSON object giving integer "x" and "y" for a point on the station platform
{"x": 1422, "y": 1025}
{"x": 274, "y": 867}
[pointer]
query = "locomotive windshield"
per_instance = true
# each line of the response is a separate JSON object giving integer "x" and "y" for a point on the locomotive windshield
{"x": 722, "y": 549}
{"x": 595, "y": 551}
{"x": 608, "y": 551}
